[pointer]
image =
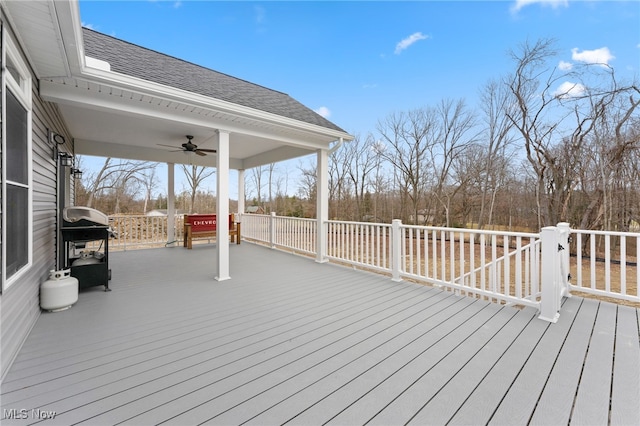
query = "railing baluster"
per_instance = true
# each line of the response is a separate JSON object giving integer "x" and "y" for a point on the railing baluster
{"x": 607, "y": 263}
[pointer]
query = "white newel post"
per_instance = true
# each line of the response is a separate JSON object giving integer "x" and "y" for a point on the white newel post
{"x": 272, "y": 230}
{"x": 565, "y": 254}
{"x": 222, "y": 211}
{"x": 322, "y": 205}
{"x": 171, "y": 205}
{"x": 396, "y": 249}
{"x": 550, "y": 279}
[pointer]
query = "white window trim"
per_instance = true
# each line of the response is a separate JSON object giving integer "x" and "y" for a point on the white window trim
{"x": 22, "y": 91}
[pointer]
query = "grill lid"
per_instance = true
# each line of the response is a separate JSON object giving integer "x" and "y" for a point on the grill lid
{"x": 84, "y": 216}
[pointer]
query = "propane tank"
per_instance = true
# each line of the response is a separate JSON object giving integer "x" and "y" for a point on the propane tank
{"x": 87, "y": 258}
{"x": 59, "y": 292}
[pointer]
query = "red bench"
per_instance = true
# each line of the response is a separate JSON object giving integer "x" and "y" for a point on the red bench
{"x": 204, "y": 226}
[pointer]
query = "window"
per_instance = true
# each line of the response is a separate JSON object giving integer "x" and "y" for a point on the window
{"x": 16, "y": 166}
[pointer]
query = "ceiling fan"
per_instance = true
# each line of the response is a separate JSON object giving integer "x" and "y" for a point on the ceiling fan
{"x": 189, "y": 147}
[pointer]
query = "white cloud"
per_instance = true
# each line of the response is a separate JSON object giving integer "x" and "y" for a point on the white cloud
{"x": 177, "y": 4}
{"x": 90, "y": 26}
{"x": 598, "y": 56}
{"x": 323, "y": 111}
{"x": 260, "y": 14}
{"x": 520, "y": 4}
{"x": 405, "y": 43}
{"x": 569, "y": 90}
{"x": 565, "y": 66}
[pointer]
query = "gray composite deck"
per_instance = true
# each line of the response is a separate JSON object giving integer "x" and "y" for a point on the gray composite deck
{"x": 288, "y": 340}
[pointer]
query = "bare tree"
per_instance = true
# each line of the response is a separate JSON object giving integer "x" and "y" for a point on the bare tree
{"x": 256, "y": 177}
{"x": 408, "y": 146}
{"x": 454, "y": 121}
{"x": 307, "y": 186}
{"x": 116, "y": 177}
{"x": 554, "y": 120}
{"x": 498, "y": 139}
{"x": 360, "y": 161}
{"x": 149, "y": 182}
{"x": 195, "y": 176}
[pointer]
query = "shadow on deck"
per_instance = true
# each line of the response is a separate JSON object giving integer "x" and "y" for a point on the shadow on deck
{"x": 291, "y": 340}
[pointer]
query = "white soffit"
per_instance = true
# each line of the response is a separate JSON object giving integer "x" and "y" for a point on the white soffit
{"x": 38, "y": 31}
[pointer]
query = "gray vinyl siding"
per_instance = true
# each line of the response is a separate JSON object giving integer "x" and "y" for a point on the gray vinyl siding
{"x": 19, "y": 304}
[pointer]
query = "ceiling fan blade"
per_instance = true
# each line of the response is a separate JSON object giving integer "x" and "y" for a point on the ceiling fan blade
{"x": 200, "y": 153}
{"x": 207, "y": 150}
{"x": 168, "y": 146}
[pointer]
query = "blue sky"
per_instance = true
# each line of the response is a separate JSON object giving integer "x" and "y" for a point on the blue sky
{"x": 357, "y": 62}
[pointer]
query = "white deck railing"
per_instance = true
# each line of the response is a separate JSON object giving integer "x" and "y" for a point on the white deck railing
{"x": 139, "y": 231}
{"x": 528, "y": 269}
{"x": 605, "y": 263}
{"x": 501, "y": 266}
{"x": 362, "y": 244}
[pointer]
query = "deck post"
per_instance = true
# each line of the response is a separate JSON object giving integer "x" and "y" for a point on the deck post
{"x": 396, "y": 249}
{"x": 322, "y": 204}
{"x": 171, "y": 206}
{"x": 272, "y": 230}
{"x": 551, "y": 286}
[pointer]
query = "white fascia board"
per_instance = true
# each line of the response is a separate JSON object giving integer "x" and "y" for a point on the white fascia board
{"x": 148, "y": 88}
{"x": 67, "y": 15}
{"x": 66, "y": 94}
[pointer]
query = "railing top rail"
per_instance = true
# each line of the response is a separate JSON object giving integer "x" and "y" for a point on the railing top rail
{"x": 475, "y": 231}
{"x": 613, "y": 233}
{"x": 301, "y": 219}
{"x": 124, "y": 216}
{"x": 360, "y": 223}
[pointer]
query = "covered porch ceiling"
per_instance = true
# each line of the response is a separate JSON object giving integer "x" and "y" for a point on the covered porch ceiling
{"x": 108, "y": 121}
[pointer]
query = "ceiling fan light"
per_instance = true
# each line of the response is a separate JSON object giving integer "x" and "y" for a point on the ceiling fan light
{"x": 188, "y": 152}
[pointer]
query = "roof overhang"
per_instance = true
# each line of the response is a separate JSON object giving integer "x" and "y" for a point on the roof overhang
{"x": 115, "y": 115}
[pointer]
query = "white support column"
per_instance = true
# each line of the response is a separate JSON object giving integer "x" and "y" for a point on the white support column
{"x": 322, "y": 204}
{"x": 241, "y": 195}
{"x": 222, "y": 210}
{"x": 171, "y": 205}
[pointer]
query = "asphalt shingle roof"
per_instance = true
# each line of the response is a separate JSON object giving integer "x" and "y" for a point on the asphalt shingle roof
{"x": 136, "y": 61}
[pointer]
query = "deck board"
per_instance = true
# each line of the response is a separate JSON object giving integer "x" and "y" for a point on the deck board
{"x": 592, "y": 400}
{"x": 288, "y": 340}
{"x": 626, "y": 385}
{"x": 556, "y": 402}
{"x": 520, "y": 401}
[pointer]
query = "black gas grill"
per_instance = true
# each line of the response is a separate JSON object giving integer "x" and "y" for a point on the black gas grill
{"x": 81, "y": 225}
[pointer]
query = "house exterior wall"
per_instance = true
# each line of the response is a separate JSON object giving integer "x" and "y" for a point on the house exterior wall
{"x": 19, "y": 304}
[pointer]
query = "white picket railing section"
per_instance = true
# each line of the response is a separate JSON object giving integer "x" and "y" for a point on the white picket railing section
{"x": 292, "y": 233}
{"x": 362, "y": 244}
{"x": 528, "y": 269}
{"x": 605, "y": 263}
{"x": 500, "y": 266}
{"x": 139, "y": 231}
{"x": 256, "y": 227}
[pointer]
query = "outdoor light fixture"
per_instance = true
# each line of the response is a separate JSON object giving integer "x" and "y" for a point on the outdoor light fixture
{"x": 66, "y": 159}
{"x": 56, "y": 138}
{"x": 77, "y": 173}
